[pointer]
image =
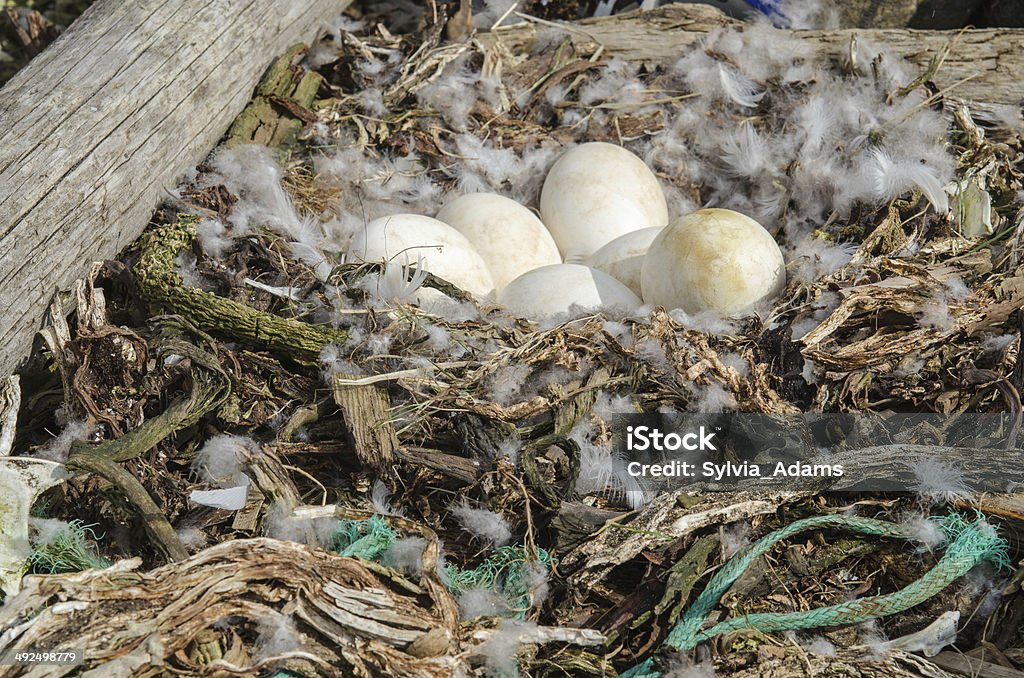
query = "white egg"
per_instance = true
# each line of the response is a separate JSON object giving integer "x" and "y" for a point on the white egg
{"x": 623, "y": 258}
{"x": 552, "y": 290}
{"x": 596, "y": 192}
{"x": 445, "y": 252}
{"x": 508, "y": 236}
{"x": 713, "y": 259}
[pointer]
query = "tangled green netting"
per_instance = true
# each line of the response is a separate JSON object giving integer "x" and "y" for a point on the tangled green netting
{"x": 968, "y": 545}
{"x": 506, "y": 571}
{"x": 365, "y": 539}
{"x": 69, "y": 549}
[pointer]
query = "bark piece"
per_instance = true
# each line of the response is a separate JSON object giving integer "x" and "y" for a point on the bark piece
{"x": 161, "y": 285}
{"x": 366, "y": 411}
{"x": 349, "y": 621}
{"x": 664, "y": 519}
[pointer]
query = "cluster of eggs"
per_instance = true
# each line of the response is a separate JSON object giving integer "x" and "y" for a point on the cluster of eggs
{"x": 603, "y": 240}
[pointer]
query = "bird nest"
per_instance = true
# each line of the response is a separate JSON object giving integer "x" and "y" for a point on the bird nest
{"x": 387, "y": 450}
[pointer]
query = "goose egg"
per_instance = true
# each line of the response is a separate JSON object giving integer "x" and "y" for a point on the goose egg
{"x": 623, "y": 258}
{"x": 713, "y": 259}
{"x": 508, "y": 236}
{"x": 552, "y": 290}
{"x": 596, "y": 192}
{"x": 445, "y": 252}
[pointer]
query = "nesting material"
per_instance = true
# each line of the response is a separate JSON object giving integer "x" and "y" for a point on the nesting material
{"x": 595, "y": 193}
{"x": 508, "y": 236}
{"x": 623, "y": 258}
{"x": 556, "y": 290}
{"x": 713, "y": 260}
{"x": 439, "y": 248}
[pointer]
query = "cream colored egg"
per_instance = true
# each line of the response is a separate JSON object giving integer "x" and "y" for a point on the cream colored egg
{"x": 595, "y": 193}
{"x": 713, "y": 260}
{"x": 623, "y": 258}
{"x": 402, "y": 238}
{"x": 508, "y": 236}
{"x": 553, "y": 290}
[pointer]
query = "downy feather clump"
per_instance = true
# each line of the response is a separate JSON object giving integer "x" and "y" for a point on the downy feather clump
{"x": 772, "y": 134}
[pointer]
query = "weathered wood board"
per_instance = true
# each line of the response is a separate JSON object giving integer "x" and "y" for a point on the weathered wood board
{"x": 97, "y": 127}
{"x": 989, "y": 61}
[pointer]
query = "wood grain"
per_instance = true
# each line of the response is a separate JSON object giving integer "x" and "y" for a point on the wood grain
{"x": 992, "y": 59}
{"x": 96, "y": 128}
{"x": 351, "y": 618}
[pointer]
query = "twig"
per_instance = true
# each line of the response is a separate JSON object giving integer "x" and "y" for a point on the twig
{"x": 312, "y": 479}
{"x": 163, "y": 535}
{"x": 531, "y": 546}
{"x": 159, "y": 282}
{"x": 207, "y": 393}
{"x": 553, "y": 24}
{"x": 391, "y": 376}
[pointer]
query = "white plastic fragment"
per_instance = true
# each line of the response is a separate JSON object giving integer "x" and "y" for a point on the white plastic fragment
{"x": 229, "y": 499}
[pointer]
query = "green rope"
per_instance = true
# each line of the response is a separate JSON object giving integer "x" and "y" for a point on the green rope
{"x": 506, "y": 570}
{"x": 365, "y": 539}
{"x": 969, "y": 545}
{"x": 69, "y": 549}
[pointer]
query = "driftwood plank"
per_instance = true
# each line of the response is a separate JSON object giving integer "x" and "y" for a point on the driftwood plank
{"x": 95, "y": 128}
{"x": 991, "y": 60}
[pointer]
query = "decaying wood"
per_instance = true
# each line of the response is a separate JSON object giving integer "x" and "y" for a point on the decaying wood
{"x": 97, "y": 127}
{"x": 1003, "y": 505}
{"x": 798, "y": 664}
{"x": 893, "y": 467}
{"x": 283, "y": 87}
{"x": 148, "y": 622}
{"x": 984, "y": 65}
{"x": 367, "y": 415}
{"x": 461, "y": 468}
{"x": 153, "y": 519}
{"x": 160, "y": 284}
{"x": 576, "y": 521}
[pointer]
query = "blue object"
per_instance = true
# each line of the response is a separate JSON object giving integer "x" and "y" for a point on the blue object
{"x": 773, "y": 9}
{"x": 741, "y": 9}
{"x": 768, "y": 7}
